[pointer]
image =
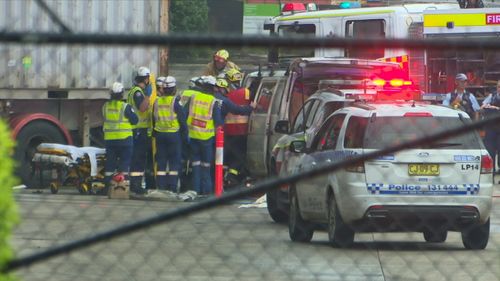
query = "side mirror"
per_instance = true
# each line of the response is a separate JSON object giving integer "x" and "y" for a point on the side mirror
{"x": 298, "y": 146}
{"x": 281, "y": 127}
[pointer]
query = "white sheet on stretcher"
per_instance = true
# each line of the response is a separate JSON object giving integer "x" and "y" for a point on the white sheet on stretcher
{"x": 78, "y": 152}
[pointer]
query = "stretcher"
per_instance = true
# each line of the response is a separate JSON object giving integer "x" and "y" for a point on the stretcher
{"x": 66, "y": 165}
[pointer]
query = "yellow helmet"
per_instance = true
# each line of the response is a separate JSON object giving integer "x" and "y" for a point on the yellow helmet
{"x": 234, "y": 75}
{"x": 223, "y": 54}
{"x": 221, "y": 83}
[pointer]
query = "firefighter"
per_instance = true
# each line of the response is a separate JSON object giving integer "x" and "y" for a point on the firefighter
{"x": 462, "y": 99}
{"x": 236, "y": 129}
{"x": 221, "y": 91}
{"x": 219, "y": 64}
{"x": 169, "y": 130}
{"x": 139, "y": 98}
{"x": 491, "y": 108}
{"x": 204, "y": 116}
{"x": 119, "y": 117}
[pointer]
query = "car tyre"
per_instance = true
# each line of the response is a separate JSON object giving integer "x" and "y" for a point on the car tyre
{"x": 476, "y": 236}
{"x": 273, "y": 207}
{"x": 299, "y": 230}
{"x": 435, "y": 236}
{"x": 340, "y": 235}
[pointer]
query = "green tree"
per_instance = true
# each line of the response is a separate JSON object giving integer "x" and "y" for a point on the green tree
{"x": 188, "y": 16}
{"x": 8, "y": 213}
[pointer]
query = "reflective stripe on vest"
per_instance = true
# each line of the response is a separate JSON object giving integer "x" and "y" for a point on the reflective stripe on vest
{"x": 116, "y": 126}
{"x": 200, "y": 121}
{"x": 144, "y": 117}
{"x": 165, "y": 116}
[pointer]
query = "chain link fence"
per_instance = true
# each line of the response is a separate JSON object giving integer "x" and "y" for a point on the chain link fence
{"x": 72, "y": 236}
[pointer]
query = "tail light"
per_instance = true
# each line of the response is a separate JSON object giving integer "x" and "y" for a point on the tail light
{"x": 486, "y": 164}
{"x": 358, "y": 167}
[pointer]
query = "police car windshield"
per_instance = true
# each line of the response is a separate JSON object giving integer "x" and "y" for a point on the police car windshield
{"x": 384, "y": 132}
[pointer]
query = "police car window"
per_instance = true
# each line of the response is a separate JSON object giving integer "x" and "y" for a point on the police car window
{"x": 265, "y": 95}
{"x": 329, "y": 133}
{"x": 312, "y": 113}
{"x": 382, "y": 132}
{"x": 374, "y": 28}
{"x": 355, "y": 131}
{"x": 298, "y": 124}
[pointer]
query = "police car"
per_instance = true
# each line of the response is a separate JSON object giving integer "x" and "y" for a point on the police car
{"x": 432, "y": 189}
{"x": 305, "y": 126}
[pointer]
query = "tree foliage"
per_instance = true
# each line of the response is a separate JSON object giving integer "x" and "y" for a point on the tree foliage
{"x": 188, "y": 16}
{"x": 8, "y": 214}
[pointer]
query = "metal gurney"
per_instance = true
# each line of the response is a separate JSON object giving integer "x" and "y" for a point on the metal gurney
{"x": 59, "y": 165}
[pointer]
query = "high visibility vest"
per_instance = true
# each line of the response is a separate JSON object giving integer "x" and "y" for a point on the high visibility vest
{"x": 165, "y": 116}
{"x": 116, "y": 125}
{"x": 186, "y": 96}
{"x": 237, "y": 125}
{"x": 200, "y": 120}
{"x": 144, "y": 117}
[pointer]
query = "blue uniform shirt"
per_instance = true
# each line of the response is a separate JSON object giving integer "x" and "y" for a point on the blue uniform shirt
{"x": 475, "y": 104}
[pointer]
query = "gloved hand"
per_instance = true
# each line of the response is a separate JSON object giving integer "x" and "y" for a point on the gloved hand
{"x": 148, "y": 91}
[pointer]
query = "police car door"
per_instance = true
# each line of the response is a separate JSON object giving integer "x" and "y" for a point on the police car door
{"x": 258, "y": 127}
{"x": 311, "y": 193}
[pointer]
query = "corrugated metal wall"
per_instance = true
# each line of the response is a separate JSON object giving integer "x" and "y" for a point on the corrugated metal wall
{"x": 28, "y": 66}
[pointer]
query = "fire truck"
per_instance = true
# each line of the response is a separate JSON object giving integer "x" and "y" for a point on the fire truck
{"x": 481, "y": 66}
{"x": 54, "y": 93}
{"x": 433, "y": 71}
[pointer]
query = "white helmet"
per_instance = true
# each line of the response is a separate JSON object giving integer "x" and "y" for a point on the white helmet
{"x": 160, "y": 81}
{"x": 143, "y": 71}
{"x": 208, "y": 80}
{"x": 170, "y": 82}
{"x": 117, "y": 88}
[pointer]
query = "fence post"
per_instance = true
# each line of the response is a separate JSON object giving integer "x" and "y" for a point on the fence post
{"x": 219, "y": 160}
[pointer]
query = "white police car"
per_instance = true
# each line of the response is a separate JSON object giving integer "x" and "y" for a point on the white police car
{"x": 440, "y": 187}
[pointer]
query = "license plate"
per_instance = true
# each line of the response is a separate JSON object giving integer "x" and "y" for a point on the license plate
{"x": 423, "y": 169}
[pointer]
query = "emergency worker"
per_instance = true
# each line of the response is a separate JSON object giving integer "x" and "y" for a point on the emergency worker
{"x": 204, "y": 116}
{"x": 462, "y": 99}
{"x": 139, "y": 98}
{"x": 236, "y": 129}
{"x": 220, "y": 64}
{"x": 169, "y": 130}
{"x": 491, "y": 108}
{"x": 119, "y": 117}
{"x": 221, "y": 91}
{"x": 195, "y": 86}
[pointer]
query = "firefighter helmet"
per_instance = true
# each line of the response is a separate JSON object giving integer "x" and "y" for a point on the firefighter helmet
{"x": 223, "y": 54}
{"x": 222, "y": 83}
{"x": 234, "y": 75}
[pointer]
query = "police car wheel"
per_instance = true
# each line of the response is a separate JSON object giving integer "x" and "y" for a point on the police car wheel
{"x": 340, "y": 235}
{"x": 273, "y": 207}
{"x": 476, "y": 236}
{"x": 298, "y": 229}
{"x": 435, "y": 236}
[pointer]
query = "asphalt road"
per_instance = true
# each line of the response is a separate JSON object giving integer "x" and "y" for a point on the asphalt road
{"x": 227, "y": 243}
